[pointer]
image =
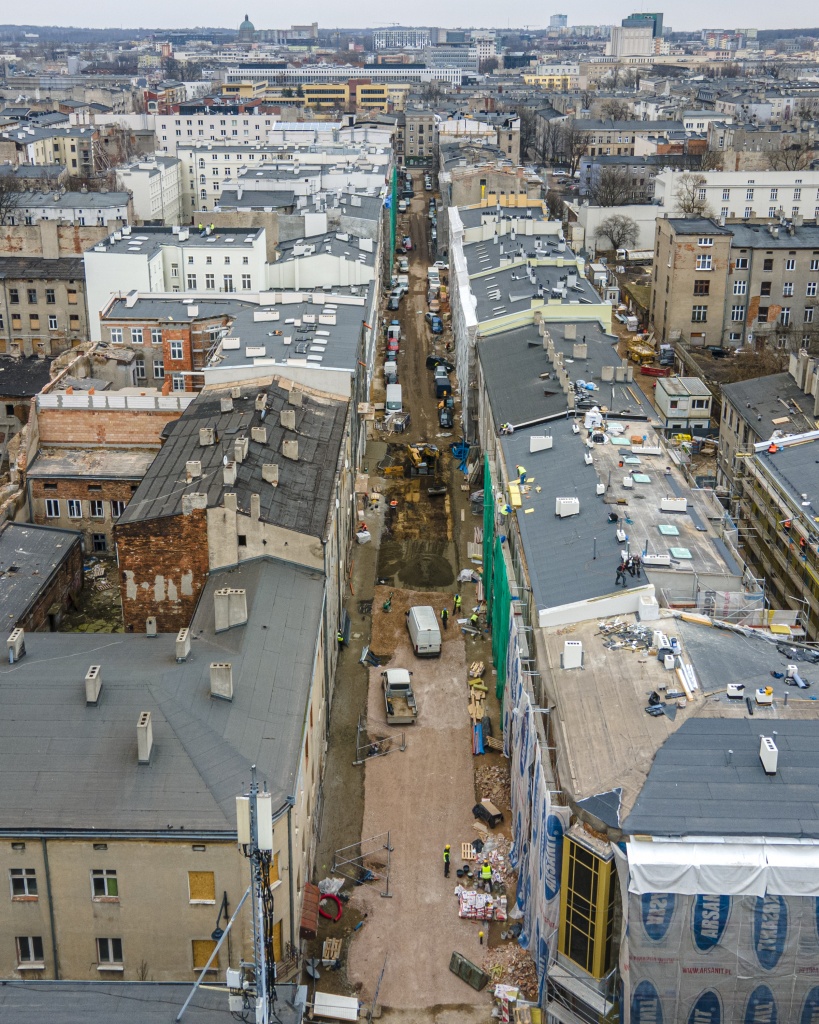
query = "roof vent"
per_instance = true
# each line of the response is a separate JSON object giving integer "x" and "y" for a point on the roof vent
{"x": 93, "y": 685}
{"x": 572, "y": 654}
{"x": 207, "y": 436}
{"x": 290, "y": 450}
{"x": 229, "y": 474}
{"x": 258, "y": 434}
{"x": 270, "y": 473}
{"x": 145, "y": 738}
{"x": 261, "y": 401}
{"x": 16, "y": 644}
{"x": 768, "y": 754}
{"x": 226, "y": 404}
{"x": 221, "y": 680}
{"x": 288, "y": 419}
{"x": 240, "y": 448}
{"x": 183, "y": 644}
{"x": 193, "y": 470}
{"x": 295, "y": 398}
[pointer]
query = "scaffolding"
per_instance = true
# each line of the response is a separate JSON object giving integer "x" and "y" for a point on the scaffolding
{"x": 367, "y": 746}
{"x": 367, "y": 865}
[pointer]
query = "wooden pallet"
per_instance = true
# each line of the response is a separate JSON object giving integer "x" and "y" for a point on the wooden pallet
{"x": 493, "y": 743}
{"x": 468, "y": 852}
{"x": 476, "y": 669}
{"x": 331, "y": 950}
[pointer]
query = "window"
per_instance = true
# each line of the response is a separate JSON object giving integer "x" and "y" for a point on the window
{"x": 52, "y": 322}
{"x": 177, "y": 350}
{"x": 771, "y": 211}
{"x": 178, "y": 382}
{"x": 740, "y": 287}
{"x": 201, "y": 887}
{"x": 117, "y": 508}
{"x": 246, "y": 282}
{"x": 71, "y": 296}
{"x": 699, "y": 314}
{"x": 74, "y": 509}
{"x": 765, "y": 288}
{"x": 227, "y": 261}
{"x": 228, "y": 279}
{"x": 774, "y": 194}
{"x": 208, "y": 260}
{"x": 704, "y": 262}
{"x": 814, "y": 264}
{"x": 202, "y": 950}
{"x": 156, "y": 335}
{"x": 14, "y": 296}
{"x": 699, "y": 403}
{"x": 809, "y": 315}
{"x": 203, "y": 193}
{"x": 723, "y": 211}
{"x": 136, "y": 335}
{"x": 192, "y": 282}
{"x": 742, "y": 263}
{"x": 702, "y": 287}
{"x": 23, "y": 882}
{"x": 726, "y": 195}
{"x": 51, "y": 298}
{"x": 29, "y": 950}
{"x": 97, "y": 509}
{"x": 53, "y": 508}
{"x": 139, "y": 369}
{"x": 34, "y": 321}
{"x": 99, "y": 542}
{"x": 797, "y": 194}
{"x": 787, "y": 288}
{"x": 785, "y": 316}
{"x": 159, "y": 369}
{"x": 32, "y": 296}
{"x": 210, "y": 282}
{"x": 749, "y": 193}
{"x": 245, "y": 259}
{"x": 790, "y": 264}
{"x": 116, "y": 335}
{"x": 762, "y": 314}
{"x": 109, "y": 951}
{"x": 737, "y": 313}
{"x": 748, "y": 212}
{"x": 701, "y": 194}
{"x": 104, "y": 884}
{"x": 705, "y": 241}
{"x": 587, "y": 898}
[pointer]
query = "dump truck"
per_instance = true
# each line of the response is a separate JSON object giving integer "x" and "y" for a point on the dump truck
{"x": 641, "y": 353}
{"x": 399, "y": 699}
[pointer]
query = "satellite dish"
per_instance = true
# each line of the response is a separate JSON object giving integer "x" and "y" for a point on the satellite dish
{"x": 216, "y": 934}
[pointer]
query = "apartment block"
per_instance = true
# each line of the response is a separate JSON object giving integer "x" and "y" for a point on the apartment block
{"x": 43, "y": 305}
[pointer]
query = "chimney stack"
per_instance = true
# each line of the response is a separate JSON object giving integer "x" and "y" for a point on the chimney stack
{"x": 258, "y": 434}
{"x": 229, "y": 474}
{"x": 261, "y": 401}
{"x": 183, "y": 644}
{"x": 226, "y": 404}
{"x": 145, "y": 738}
{"x": 270, "y": 473}
{"x": 288, "y": 419}
{"x": 229, "y": 608}
{"x": 193, "y": 470}
{"x": 290, "y": 450}
{"x": 221, "y": 680}
{"x": 16, "y": 644}
{"x": 93, "y": 684}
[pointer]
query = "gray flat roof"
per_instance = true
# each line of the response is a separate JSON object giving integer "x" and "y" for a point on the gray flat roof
{"x": 796, "y": 468}
{"x": 747, "y": 236}
{"x": 91, "y": 463}
{"x": 517, "y": 292}
{"x": 777, "y": 397}
{"x": 328, "y": 244}
{"x": 698, "y": 226}
{"x": 65, "y": 268}
{"x": 67, "y": 766}
{"x": 513, "y": 362}
{"x": 151, "y": 239}
{"x": 138, "y": 1002}
{"x": 304, "y": 494}
{"x": 22, "y": 378}
{"x": 173, "y": 310}
{"x": 28, "y": 556}
{"x": 255, "y": 199}
{"x": 693, "y": 790}
{"x": 72, "y": 200}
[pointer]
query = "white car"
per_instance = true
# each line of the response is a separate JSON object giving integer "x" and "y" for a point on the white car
{"x": 440, "y": 265}
{"x": 402, "y": 206}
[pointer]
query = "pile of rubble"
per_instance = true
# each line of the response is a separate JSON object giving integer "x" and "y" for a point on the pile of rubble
{"x": 629, "y": 636}
{"x": 493, "y": 781}
{"x": 511, "y": 965}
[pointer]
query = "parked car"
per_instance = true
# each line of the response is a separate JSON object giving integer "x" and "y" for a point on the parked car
{"x": 403, "y": 265}
{"x": 393, "y": 345}
{"x": 406, "y": 241}
{"x": 441, "y": 265}
{"x": 445, "y": 417}
{"x": 440, "y": 373}
{"x": 394, "y": 302}
{"x": 428, "y": 186}
{"x": 402, "y": 206}
{"x": 433, "y": 361}
{"x": 435, "y": 322}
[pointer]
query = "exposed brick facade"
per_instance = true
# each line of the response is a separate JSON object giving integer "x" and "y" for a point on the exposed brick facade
{"x": 163, "y": 566}
{"x": 84, "y": 491}
{"x": 133, "y": 428}
{"x": 57, "y": 592}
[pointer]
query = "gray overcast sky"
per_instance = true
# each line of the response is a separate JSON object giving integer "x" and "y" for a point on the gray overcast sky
{"x": 161, "y": 14}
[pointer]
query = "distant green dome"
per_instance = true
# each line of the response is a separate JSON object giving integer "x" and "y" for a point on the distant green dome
{"x": 247, "y": 25}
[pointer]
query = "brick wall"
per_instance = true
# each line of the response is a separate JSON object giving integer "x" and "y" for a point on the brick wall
{"x": 66, "y": 582}
{"x": 85, "y": 491}
{"x": 163, "y": 566}
{"x": 134, "y": 428}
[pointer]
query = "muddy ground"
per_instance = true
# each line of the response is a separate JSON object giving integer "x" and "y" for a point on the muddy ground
{"x": 423, "y": 795}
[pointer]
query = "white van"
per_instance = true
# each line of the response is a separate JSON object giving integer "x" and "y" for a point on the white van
{"x": 394, "y": 398}
{"x": 425, "y": 634}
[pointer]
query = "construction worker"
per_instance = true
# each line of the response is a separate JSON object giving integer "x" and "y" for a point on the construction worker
{"x": 340, "y": 638}
{"x": 446, "y": 861}
{"x": 521, "y": 471}
{"x": 621, "y": 574}
{"x": 445, "y": 617}
{"x": 486, "y": 875}
{"x": 473, "y": 620}
{"x": 456, "y": 604}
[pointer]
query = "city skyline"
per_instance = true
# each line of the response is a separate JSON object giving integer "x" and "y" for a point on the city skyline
{"x": 154, "y": 15}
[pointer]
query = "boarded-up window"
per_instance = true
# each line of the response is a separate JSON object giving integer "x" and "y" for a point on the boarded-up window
{"x": 274, "y": 869}
{"x": 202, "y": 887}
{"x": 202, "y": 949}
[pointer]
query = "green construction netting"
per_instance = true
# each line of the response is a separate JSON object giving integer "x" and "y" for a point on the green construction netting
{"x": 501, "y": 601}
{"x": 488, "y": 532}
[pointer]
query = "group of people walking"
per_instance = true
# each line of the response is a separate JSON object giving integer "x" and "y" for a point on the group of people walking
{"x": 630, "y": 565}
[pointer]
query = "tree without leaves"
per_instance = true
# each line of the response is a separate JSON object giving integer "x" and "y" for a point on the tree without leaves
{"x": 554, "y": 204}
{"x": 611, "y": 187}
{"x": 794, "y": 158}
{"x": 573, "y": 144}
{"x": 528, "y": 130}
{"x": 617, "y": 110}
{"x": 687, "y": 198}
{"x": 547, "y": 142}
{"x": 620, "y": 230}
{"x": 11, "y": 189}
